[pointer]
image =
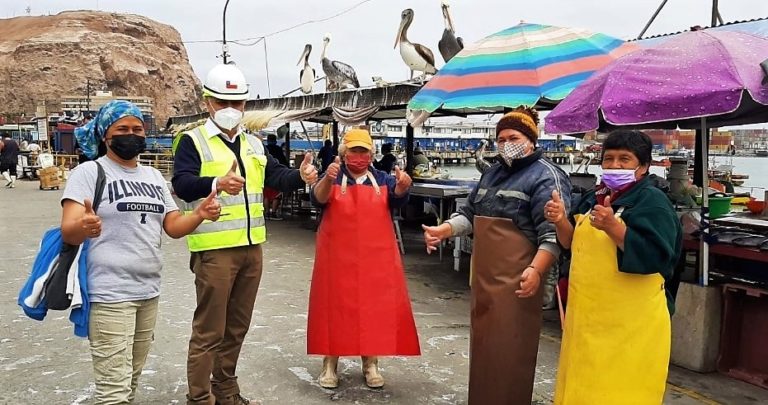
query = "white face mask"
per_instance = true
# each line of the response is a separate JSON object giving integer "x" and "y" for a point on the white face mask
{"x": 228, "y": 118}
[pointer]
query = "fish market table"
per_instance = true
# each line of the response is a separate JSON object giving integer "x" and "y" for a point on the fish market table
{"x": 442, "y": 192}
{"x": 736, "y": 259}
{"x": 723, "y": 249}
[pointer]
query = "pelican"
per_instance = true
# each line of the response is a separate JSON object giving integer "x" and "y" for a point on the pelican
{"x": 480, "y": 163}
{"x": 307, "y": 74}
{"x": 417, "y": 56}
{"x": 337, "y": 74}
{"x": 449, "y": 45}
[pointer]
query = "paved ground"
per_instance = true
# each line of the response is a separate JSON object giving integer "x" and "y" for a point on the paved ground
{"x": 45, "y": 363}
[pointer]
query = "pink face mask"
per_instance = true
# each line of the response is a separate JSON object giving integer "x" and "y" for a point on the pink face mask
{"x": 357, "y": 163}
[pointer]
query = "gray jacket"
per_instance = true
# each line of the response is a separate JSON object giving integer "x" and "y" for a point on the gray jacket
{"x": 518, "y": 192}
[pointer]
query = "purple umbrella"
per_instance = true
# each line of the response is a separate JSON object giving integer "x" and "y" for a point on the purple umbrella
{"x": 699, "y": 74}
{"x": 693, "y": 80}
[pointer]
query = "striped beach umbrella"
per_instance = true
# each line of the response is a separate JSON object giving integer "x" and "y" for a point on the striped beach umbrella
{"x": 528, "y": 64}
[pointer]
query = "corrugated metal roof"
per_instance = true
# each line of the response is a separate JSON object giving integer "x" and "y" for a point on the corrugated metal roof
{"x": 755, "y": 26}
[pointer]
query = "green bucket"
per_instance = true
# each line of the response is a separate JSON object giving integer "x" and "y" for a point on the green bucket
{"x": 719, "y": 206}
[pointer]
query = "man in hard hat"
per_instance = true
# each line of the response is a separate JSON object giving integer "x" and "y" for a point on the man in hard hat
{"x": 226, "y": 255}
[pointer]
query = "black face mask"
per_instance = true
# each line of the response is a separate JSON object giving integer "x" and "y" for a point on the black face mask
{"x": 127, "y": 147}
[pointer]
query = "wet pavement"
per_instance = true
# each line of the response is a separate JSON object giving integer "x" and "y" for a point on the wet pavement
{"x": 44, "y": 363}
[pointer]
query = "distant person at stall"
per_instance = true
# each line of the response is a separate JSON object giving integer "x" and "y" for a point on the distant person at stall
{"x": 514, "y": 249}
{"x": 272, "y": 197}
{"x": 326, "y": 155}
{"x": 358, "y": 302}
{"x": 388, "y": 161}
{"x": 419, "y": 158}
{"x": 625, "y": 240}
{"x": 275, "y": 150}
{"x": 33, "y": 148}
{"x": 9, "y": 160}
{"x": 124, "y": 256}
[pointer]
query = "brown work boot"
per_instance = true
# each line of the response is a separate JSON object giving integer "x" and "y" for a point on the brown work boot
{"x": 373, "y": 378}
{"x": 238, "y": 399}
{"x": 328, "y": 377}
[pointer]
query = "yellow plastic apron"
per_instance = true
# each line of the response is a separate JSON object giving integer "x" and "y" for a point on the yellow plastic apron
{"x": 617, "y": 337}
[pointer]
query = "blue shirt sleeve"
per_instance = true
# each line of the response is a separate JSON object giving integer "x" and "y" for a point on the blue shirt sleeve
{"x": 395, "y": 202}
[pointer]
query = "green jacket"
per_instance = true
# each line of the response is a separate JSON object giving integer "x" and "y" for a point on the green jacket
{"x": 654, "y": 239}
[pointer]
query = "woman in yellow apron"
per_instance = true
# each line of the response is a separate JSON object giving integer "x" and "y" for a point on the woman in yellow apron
{"x": 625, "y": 244}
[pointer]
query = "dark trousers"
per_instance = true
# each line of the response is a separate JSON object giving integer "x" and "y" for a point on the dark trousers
{"x": 226, "y": 281}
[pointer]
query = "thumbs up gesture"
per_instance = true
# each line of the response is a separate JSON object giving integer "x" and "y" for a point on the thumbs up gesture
{"x": 209, "y": 208}
{"x": 602, "y": 216}
{"x": 90, "y": 222}
{"x": 308, "y": 170}
{"x": 402, "y": 181}
{"x": 332, "y": 172}
{"x": 231, "y": 183}
{"x": 554, "y": 209}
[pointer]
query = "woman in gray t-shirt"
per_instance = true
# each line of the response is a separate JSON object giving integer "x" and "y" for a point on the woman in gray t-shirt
{"x": 124, "y": 257}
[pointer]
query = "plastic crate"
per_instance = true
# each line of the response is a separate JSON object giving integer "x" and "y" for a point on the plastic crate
{"x": 743, "y": 349}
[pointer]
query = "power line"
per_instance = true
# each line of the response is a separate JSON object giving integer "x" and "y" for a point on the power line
{"x": 340, "y": 13}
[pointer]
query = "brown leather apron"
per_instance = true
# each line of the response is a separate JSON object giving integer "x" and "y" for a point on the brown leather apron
{"x": 504, "y": 337}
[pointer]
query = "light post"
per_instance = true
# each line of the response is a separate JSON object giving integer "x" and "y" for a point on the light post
{"x": 224, "y": 47}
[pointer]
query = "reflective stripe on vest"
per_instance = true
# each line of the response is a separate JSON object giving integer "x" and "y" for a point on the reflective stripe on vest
{"x": 220, "y": 226}
{"x": 231, "y": 230}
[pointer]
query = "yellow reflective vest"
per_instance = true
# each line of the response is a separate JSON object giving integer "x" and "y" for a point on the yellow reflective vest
{"x": 242, "y": 220}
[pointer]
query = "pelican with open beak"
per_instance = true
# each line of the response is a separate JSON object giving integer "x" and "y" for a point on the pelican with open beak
{"x": 417, "y": 56}
{"x": 307, "y": 74}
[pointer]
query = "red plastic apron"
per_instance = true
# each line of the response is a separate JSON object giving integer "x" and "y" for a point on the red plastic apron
{"x": 358, "y": 302}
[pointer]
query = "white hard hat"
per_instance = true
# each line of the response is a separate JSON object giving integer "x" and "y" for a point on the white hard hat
{"x": 226, "y": 82}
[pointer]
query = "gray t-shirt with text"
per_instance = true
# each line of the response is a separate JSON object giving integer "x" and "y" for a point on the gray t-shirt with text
{"x": 124, "y": 262}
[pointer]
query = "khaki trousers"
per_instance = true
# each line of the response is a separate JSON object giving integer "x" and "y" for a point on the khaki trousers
{"x": 226, "y": 282}
{"x": 120, "y": 335}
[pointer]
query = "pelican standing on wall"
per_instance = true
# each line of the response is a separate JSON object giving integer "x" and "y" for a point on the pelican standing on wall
{"x": 337, "y": 74}
{"x": 307, "y": 74}
{"x": 449, "y": 44}
{"x": 417, "y": 56}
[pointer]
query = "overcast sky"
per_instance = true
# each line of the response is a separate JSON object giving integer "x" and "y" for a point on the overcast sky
{"x": 365, "y": 36}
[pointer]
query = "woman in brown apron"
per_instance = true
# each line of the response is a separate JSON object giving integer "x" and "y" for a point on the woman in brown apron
{"x": 514, "y": 248}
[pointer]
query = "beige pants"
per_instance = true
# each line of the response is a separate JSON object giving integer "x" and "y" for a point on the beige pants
{"x": 120, "y": 334}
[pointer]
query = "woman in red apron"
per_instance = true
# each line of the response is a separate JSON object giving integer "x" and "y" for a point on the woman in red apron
{"x": 626, "y": 242}
{"x": 514, "y": 248}
{"x": 358, "y": 301}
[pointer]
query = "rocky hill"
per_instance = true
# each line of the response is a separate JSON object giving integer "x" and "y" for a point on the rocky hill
{"x": 47, "y": 57}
